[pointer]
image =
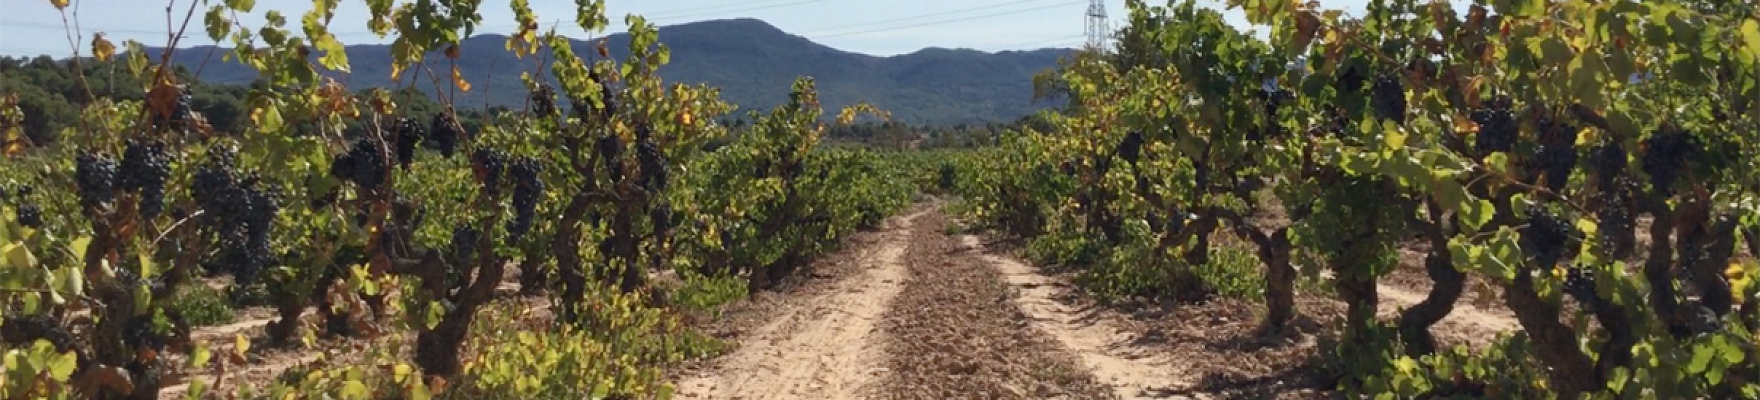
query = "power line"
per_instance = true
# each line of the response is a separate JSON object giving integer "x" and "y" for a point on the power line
{"x": 947, "y": 21}
{"x": 1051, "y": 42}
{"x": 914, "y": 17}
{"x": 687, "y": 13}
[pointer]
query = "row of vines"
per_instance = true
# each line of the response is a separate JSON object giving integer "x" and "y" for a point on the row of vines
{"x": 331, "y": 200}
{"x": 1594, "y": 160}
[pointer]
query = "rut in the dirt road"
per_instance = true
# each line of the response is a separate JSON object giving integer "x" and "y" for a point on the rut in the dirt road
{"x": 956, "y": 333}
{"x": 1103, "y": 347}
{"x": 825, "y": 350}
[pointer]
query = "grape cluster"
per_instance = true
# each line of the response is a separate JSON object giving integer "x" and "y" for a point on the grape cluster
{"x": 1497, "y": 126}
{"x": 1579, "y": 283}
{"x": 241, "y": 211}
{"x": 141, "y": 333}
{"x": 1387, "y": 97}
{"x": 607, "y": 94}
{"x": 95, "y": 176}
{"x": 180, "y": 114}
{"x": 214, "y": 184}
{"x": 1665, "y": 155}
{"x": 653, "y": 164}
{"x": 319, "y": 201}
{"x": 27, "y": 328}
{"x": 1333, "y": 126}
{"x": 489, "y": 166}
{"x": 363, "y": 164}
{"x": 1545, "y": 238}
{"x": 610, "y": 148}
{"x": 444, "y": 132}
{"x": 1131, "y": 147}
{"x": 30, "y": 216}
{"x": 1607, "y": 162}
{"x": 544, "y": 100}
{"x": 464, "y": 242}
{"x": 1617, "y": 216}
{"x": 1557, "y": 153}
{"x": 528, "y": 187}
{"x": 761, "y": 169}
{"x": 584, "y": 107}
{"x": 408, "y": 134}
{"x": 145, "y": 167}
{"x": 1349, "y": 81}
{"x": 1276, "y": 99}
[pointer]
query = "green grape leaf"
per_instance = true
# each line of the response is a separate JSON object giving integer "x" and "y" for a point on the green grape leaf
{"x": 1701, "y": 360}
{"x": 62, "y": 365}
{"x": 17, "y": 256}
{"x": 335, "y": 55}
{"x": 355, "y": 389}
{"x": 419, "y": 392}
{"x": 1751, "y": 40}
{"x": 217, "y": 23}
{"x": 268, "y": 118}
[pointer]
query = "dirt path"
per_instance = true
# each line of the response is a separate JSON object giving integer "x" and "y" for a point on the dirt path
{"x": 956, "y": 332}
{"x": 1465, "y": 315}
{"x": 1476, "y": 314}
{"x": 824, "y": 351}
{"x": 1102, "y": 346}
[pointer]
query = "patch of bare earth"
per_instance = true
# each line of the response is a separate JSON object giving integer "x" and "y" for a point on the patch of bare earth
{"x": 956, "y": 332}
{"x": 820, "y": 347}
{"x": 1478, "y": 315}
{"x": 264, "y": 362}
{"x": 1173, "y": 350}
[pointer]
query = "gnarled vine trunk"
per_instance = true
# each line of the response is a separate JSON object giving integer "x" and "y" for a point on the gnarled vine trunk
{"x": 1449, "y": 284}
{"x": 437, "y": 349}
{"x": 1280, "y": 280}
{"x": 1572, "y": 372}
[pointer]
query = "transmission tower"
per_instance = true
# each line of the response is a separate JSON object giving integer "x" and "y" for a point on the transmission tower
{"x": 1097, "y": 29}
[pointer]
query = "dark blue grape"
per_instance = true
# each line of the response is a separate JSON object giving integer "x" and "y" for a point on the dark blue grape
{"x": 146, "y": 165}
{"x": 1497, "y": 126}
{"x": 95, "y": 176}
{"x": 30, "y": 216}
{"x": 1388, "y": 98}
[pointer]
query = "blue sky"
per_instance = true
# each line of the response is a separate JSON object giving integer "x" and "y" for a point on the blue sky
{"x": 34, "y": 27}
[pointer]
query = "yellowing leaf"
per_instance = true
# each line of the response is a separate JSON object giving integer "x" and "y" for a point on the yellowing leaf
{"x": 200, "y": 356}
{"x": 19, "y": 257}
{"x": 102, "y": 48}
{"x": 240, "y": 344}
{"x": 268, "y": 119}
{"x": 458, "y": 80}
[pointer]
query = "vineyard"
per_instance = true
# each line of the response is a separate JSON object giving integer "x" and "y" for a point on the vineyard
{"x": 1577, "y": 179}
{"x": 1591, "y": 163}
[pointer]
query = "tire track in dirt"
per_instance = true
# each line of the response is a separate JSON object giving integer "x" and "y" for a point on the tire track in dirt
{"x": 956, "y": 332}
{"x": 1103, "y": 347}
{"x": 819, "y": 351}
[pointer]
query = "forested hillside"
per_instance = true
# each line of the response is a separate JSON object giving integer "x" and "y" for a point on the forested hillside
{"x": 748, "y": 60}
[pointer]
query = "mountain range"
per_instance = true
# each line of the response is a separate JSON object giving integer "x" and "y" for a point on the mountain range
{"x": 752, "y": 62}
